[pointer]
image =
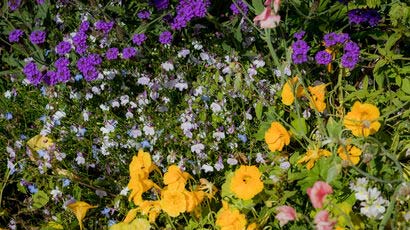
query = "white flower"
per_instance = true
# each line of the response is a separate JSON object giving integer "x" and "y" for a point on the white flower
{"x": 148, "y": 130}
{"x": 7, "y": 94}
{"x": 115, "y": 104}
{"x": 143, "y": 80}
{"x": 216, "y": 108}
{"x": 258, "y": 63}
{"x": 167, "y": 66}
{"x": 124, "y": 191}
{"x": 88, "y": 96}
{"x": 96, "y": 90}
{"x": 207, "y": 168}
{"x": 183, "y": 53}
{"x": 232, "y": 161}
{"x": 204, "y": 56}
{"x": 181, "y": 86}
{"x": 218, "y": 135}
{"x": 129, "y": 115}
{"x": 104, "y": 107}
{"x": 80, "y": 159}
{"x": 259, "y": 158}
{"x": 197, "y": 148}
{"x": 56, "y": 193}
{"x": 252, "y": 72}
{"x": 124, "y": 99}
{"x": 85, "y": 115}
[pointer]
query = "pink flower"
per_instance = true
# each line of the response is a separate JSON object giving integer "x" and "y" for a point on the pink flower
{"x": 267, "y": 2}
{"x": 322, "y": 221}
{"x": 318, "y": 192}
{"x": 267, "y": 19}
{"x": 286, "y": 214}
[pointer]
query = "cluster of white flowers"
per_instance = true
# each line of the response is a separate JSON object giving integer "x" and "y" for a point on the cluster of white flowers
{"x": 373, "y": 205}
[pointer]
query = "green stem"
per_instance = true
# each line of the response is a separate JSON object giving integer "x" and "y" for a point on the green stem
{"x": 6, "y": 177}
{"x": 390, "y": 209}
{"x": 267, "y": 38}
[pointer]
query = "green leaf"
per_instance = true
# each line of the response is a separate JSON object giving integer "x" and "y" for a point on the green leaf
{"x": 226, "y": 187}
{"x": 258, "y": 5}
{"x": 392, "y": 40}
{"x": 40, "y": 199}
{"x": 258, "y": 110}
{"x": 299, "y": 124}
{"x": 333, "y": 172}
{"x": 405, "y": 85}
{"x": 334, "y": 129}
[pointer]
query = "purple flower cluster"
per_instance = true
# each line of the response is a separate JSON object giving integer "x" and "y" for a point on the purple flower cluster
{"x": 363, "y": 16}
{"x": 161, "y": 4}
{"x": 299, "y": 35}
{"x": 128, "y": 52}
{"x": 63, "y": 48}
{"x": 80, "y": 38}
{"x": 38, "y": 37}
{"x": 144, "y": 14}
{"x": 112, "y": 53}
{"x": 300, "y": 49}
{"x": 333, "y": 38}
{"x": 351, "y": 55}
{"x": 187, "y": 10}
{"x": 165, "y": 37}
{"x": 323, "y": 57}
{"x": 63, "y": 73}
{"x": 88, "y": 66}
{"x": 105, "y": 27}
{"x": 138, "y": 39}
{"x": 14, "y": 36}
{"x": 14, "y": 4}
{"x": 242, "y": 7}
{"x": 32, "y": 73}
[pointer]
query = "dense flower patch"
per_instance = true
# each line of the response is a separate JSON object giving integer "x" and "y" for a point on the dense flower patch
{"x": 177, "y": 114}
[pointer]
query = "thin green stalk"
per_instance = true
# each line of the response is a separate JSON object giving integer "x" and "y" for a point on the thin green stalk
{"x": 390, "y": 209}
{"x": 6, "y": 178}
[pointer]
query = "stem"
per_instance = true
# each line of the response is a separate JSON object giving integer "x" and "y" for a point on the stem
{"x": 267, "y": 38}
{"x": 390, "y": 209}
{"x": 6, "y": 177}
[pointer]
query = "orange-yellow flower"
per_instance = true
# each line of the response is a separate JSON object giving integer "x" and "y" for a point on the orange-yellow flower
{"x": 312, "y": 155}
{"x": 362, "y": 119}
{"x": 353, "y": 155}
{"x": 173, "y": 202}
{"x": 277, "y": 137}
{"x": 175, "y": 178}
{"x": 230, "y": 218}
{"x": 288, "y": 96}
{"x": 141, "y": 165}
{"x": 151, "y": 209}
{"x": 246, "y": 182}
{"x": 317, "y": 96}
{"x": 193, "y": 199}
{"x": 80, "y": 209}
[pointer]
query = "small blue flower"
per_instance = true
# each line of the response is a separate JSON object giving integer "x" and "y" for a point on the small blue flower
{"x": 145, "y": 144}
{"x": 106, "y": 212}
{"x": 78, "y": 77}
{"x": 243, "y": 138}
{"x": 23, "y": 137}
{"x": 111, "y": 222}
{"x": 66, "y": 182}
{"x": 32, "y": 188}
{"x": 9, "y": 116}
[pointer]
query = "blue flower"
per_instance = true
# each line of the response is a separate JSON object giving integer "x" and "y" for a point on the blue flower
{"x": 243, "y": 138}
{"x": 66, "y": 182}
{"x": 32, "y": 188}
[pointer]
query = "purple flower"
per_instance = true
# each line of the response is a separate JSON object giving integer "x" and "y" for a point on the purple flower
{"x": 138, "y": 39}
{"x": 38, "y": 37}
{"x": 242, "y": 6}
{"x": 323, "y": 57}
{"x": 299, "y": 35}
{"x": 50, "y": 78}
{"x": 84, "y": 26}
{"x": 62, "y": 63}
{"x": 330, "y": 39}
{"x": 94, "y": 59}
{"x": 32, "y": 73}
{"x": 80, "y": 42}
{"x": 165, "y": 37}
{"x": 112, "y": 53}
{"x": 63, "y": 74}
{"x": 341, "y": 38}
{"x": 187, "y": 10}
{"x": 105, "y": 27}
{"x": 361, "y": 16}
{"x": 40, "y": 2}
{"x": 299, "y": 58}
{"x": 349, "y": 60}
{"x": 300, "y": 46}
{"x": 14, "y": 36}
{"x": 63, "y": 48}
{"x": 14, "y": 4}
{"x": 351, "y": 47}
{"x": 82, "y": 64}
{"x": 128, "y": 52}
{"x": 90, "y": 73}
{"x": 144, "y": 14}
{"x": 161, "y": 4}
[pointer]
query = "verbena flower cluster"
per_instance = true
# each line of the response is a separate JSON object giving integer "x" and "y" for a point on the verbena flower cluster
{"x": 187, "y": 10}
{"x": 364, "y": 16}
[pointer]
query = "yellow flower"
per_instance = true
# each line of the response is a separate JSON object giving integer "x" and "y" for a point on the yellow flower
{"x": 151, "y": 209}
{"x": 246, "y": 182}
{"x": 208, "y": 187}
{"x": 138, "y": 186}
{"x": 288, "y": 96}
{"x": 139, "y": 223}
{"x": 175, "y": 178}
{"x": 173, "y": 202}
{"x": 230, "y": 218}
{"x": 362, "y": 119}
{"x": 312, "y": 155}
{"x": 317, "y": 96}
{"x": 252, "y": 226}
{"x": 39, "y": 142}
{"x": 193, "y": 199}
{"x": 80, "y": 209}
{"x": 277, "y": 137}
{"x": 141, "y": 165}
{"x": 353, "y": 155}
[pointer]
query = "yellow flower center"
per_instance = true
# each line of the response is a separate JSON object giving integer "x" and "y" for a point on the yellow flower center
{"x": 246, "y": 178}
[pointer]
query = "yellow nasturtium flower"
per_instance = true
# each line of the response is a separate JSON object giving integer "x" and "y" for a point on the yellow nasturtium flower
{"x": 277, "y": 137}
{"x": 246, "y": 182}
{"x": 151, "y": 209}
{"x": 362, "y": 119}
{"x": 175, "y": 178}
{"x": 39, "y": 142}
{"x": 317, "y": 96}
{"x": 138, "y": 223}
{"x": 353, "y": 154}
{"x": 288, "y": 96}
{"x": 313, "y": 155}
{"x": 173, "y": 202}
{"x": 230, "y": 218}
{"x": 80, "y": 209}
{"x": 141, "y": 165}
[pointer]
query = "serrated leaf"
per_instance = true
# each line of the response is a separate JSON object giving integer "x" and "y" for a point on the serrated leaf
{"x": 334, "y": 129}
{"x": 405, "y": 85}
{"x": 392, "y": 40}
{"x": 40, "y": 199}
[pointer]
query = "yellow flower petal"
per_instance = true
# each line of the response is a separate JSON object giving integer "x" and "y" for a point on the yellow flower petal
{"x": 130, "y": 215}
{"x": 317, "y": 96}
{"x": 80, "y": 209}
{"x": 246, "y": 182}
{"x": 230, "y": 218}
{"x": 173, "y": 202}
{"x": 277, "y": 137}
{"x": 39, "y": 142}
{"x": 288, "y": 96}
{"x": 313, "y": 155}
{"x": 362, "y": 119}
